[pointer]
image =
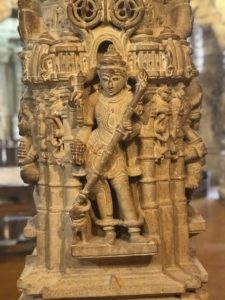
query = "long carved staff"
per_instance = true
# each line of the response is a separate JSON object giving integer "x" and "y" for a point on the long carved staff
{"x": 81, "y": 203}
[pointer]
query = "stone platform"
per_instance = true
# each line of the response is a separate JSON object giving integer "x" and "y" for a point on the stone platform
{"x": 119, "y": 249}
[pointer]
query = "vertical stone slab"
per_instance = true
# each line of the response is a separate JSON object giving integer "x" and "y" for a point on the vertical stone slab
{"x": 109, "y": 123}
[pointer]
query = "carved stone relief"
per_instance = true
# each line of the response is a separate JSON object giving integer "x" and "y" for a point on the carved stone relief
{"x": 109, "y": 123}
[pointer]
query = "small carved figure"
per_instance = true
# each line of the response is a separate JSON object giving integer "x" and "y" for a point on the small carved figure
{"x": 106, "y": 107}
{"x": 195, "y": 150}
{"x": 176, "y": 108}
{"x": 27, "y": 153}
{"x": 25, "y": 58}
{"x": 47, "y": 67}
{"x": 79, "y": 215}
{"x": 167, "y": 61}
{"x": 56, "y": 123}
{"x": 160, "y": 108}
{"x": 40, "y": 111}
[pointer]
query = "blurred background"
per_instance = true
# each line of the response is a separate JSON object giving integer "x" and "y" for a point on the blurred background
{"x": 16, "y": 204}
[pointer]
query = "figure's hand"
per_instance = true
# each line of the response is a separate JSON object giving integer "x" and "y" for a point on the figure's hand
{"x": 56, "y": 112}
{"x": 128, "y": 129}
{"x": 142, "y": 79}
{"x": 76, "y": 99}
{"x": 78, "y": 150}
{"x": 80, "y": 207}
{"x": 139, "y": 110}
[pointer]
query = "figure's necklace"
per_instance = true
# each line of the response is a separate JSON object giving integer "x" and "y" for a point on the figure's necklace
{"x": 117, "y": 98}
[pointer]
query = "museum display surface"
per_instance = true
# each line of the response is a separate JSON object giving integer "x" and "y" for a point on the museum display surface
{"x": 109, "y": 121}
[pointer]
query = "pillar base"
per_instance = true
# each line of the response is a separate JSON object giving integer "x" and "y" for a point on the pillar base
{"x": 116, "y": 282}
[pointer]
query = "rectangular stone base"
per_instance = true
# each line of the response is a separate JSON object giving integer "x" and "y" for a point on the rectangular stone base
{"x": 116, "y": 282}
{"x": 113, "y": 286}
{"x": 25, "y": 297}
{"x": 190, "y": 296}
{"x": 120, "y": 249}
{"x": 121, "y": 285}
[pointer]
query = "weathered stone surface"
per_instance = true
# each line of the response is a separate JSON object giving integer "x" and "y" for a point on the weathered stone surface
{"x": 109, "y": 122}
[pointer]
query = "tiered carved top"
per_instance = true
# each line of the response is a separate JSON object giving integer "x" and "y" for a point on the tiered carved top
{"x": 150, "y": 34}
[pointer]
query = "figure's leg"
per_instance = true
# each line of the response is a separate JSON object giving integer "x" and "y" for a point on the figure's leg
{"x": 104, "y": 201}
{"x": 134, "y": 168}
{"x": 127, "y": 208}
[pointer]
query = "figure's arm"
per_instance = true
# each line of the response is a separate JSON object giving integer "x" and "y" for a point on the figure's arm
{"x": 78, "y": 147}
{"x": 132, "y": 127}
{"x": 131, "y": 130}
{"x": 84, "y": 132}
{"x": 72, "y": 117}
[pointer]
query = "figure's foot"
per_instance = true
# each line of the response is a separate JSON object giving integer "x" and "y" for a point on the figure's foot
{"x": 191, "y": 183}
{"x": 136, "y": 237}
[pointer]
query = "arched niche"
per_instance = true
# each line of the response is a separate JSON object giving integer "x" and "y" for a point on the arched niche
{"x": 100, "y": 43}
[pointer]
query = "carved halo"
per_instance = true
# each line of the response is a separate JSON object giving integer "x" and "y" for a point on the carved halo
{"x": 126, "y": 14}
{"x": 85, "y": 13}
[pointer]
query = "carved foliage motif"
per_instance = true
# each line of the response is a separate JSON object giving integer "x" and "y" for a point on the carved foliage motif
{"x": 85, "y": 13}
{"x": 126, "y": 14}
{"x": 123, "y": 13}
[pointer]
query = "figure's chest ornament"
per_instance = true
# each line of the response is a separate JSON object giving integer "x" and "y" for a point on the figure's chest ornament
{"x": 106, "y": 114}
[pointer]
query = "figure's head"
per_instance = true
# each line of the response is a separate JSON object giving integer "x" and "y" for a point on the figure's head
{"x": 46, "y": 62}
{"x": 164, "y": 92}
{"x": 112, "y": 72}
{"x": 180, "y": 89}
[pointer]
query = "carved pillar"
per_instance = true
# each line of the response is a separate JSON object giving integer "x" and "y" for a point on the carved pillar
{"x": 109, "y": 122}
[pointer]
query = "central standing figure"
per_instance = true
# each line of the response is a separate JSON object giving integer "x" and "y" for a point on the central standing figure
{"x": 104, "y": 111}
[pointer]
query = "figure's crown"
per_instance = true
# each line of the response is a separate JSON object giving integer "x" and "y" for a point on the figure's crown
{"x": 111, "y": 59}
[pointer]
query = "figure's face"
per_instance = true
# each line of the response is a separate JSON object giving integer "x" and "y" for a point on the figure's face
{"x": 48, "y": 64}
{"x": 164, "y": 95}
{"x": 182, "y": 93}
{"x": 112, "y": 83}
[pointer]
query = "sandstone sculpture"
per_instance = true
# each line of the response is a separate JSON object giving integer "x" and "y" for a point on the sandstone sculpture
{"x": 109, "y": 123}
